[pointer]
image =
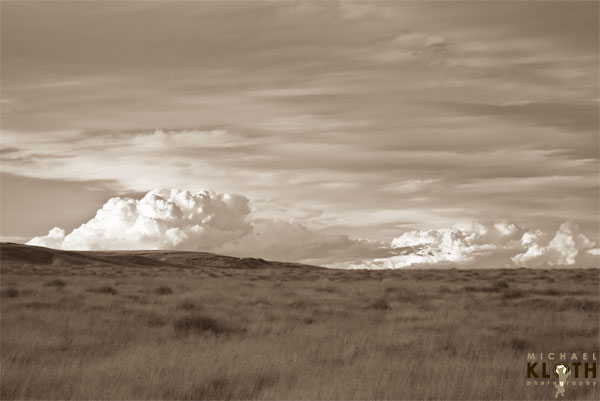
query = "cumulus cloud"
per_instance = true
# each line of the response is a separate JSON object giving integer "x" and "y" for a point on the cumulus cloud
{"x": 162, "y": 219}
{"x": 459, "y": 244}
{"x": 204, "y": 221}
{"x": 531, "y": 237}
{"x": 503, "y": 244}
{"x": 54, "y": 239}
{"x": 507, "y": 229}
{"x": 561, "y": 250}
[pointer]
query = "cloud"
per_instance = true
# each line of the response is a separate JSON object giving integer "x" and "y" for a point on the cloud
{"x": 224, "y": 223}
{"x": 292, "y": 241}
{"x": 162, "y": 219}
{"x": 205, "y": 221}
{"x": 507, "y": 244}
{"x": 507, "y": 229}
{"x": 410, "y": 46}
{"x": 531, "y": 236}
{"x": 458, "y": 244}
{"x": 500, "y": 111}
{"x": 54, "y": 239}
{"x": 561, "y": 250}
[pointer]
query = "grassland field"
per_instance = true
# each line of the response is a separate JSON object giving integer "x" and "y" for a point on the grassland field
{"x": 131, "y": 331}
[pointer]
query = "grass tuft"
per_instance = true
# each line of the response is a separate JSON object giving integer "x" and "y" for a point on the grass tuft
{"x": 380, "y": 304}
{"x": 163, "y": 291}
{"x": 56, "y": 283}
{"x": 10, "y": 293}
{"x": 39, "y": 305}
{"x": 513, "y": 294}
{"x": 103, "y": 290}
{"x": 200, "y": 324}
{"x": 186, "y": 305}
{"x": 500, "y": 285}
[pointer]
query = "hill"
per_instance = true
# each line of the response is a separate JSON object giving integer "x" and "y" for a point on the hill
{"x": 18, "y": 257}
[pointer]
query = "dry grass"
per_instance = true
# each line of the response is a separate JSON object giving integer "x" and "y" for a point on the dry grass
{"x": 103, "y": 290}
{"x": 56, "y": 283}
{"x": 267, "y": 333}
{"x": 163, "y": 290}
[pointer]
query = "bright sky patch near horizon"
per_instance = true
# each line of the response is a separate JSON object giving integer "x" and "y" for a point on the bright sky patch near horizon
{"x": 383, "y": 134}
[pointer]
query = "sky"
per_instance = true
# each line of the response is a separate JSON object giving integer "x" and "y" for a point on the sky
{"x": 347, "y": 134}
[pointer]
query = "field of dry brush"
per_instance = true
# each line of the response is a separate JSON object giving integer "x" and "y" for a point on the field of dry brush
{"x": 162, "y": 332}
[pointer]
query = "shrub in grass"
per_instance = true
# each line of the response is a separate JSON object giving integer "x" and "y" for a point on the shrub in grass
{"x": 513, "y": 294}
{"x": 200, "y": 324}
{"x": 56, "y": 283}
{"x": 326, "y": 289}
{"x": 10, "y": 293}
{"x": 380, "y": 304}
{"x": 103, "y": 290}
{"x": 500, "y": 285}
{"x": 186, "y": 305}
{"x": 39, "y": 305}
{"x": 163, "y": 291}
{"x": 572, "y": 304}
{"x": 443, "y": 289}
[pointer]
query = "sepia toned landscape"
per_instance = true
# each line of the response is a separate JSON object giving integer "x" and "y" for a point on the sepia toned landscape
{"x": 197, "y": 326}
{"x": 299, "y": 200}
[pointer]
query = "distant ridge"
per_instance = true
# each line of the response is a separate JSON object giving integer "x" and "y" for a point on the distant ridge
{"x": 14, "y": 255}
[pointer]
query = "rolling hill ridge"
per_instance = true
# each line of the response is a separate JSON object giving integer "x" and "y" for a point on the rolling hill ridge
{"x": 14, "y": 256}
